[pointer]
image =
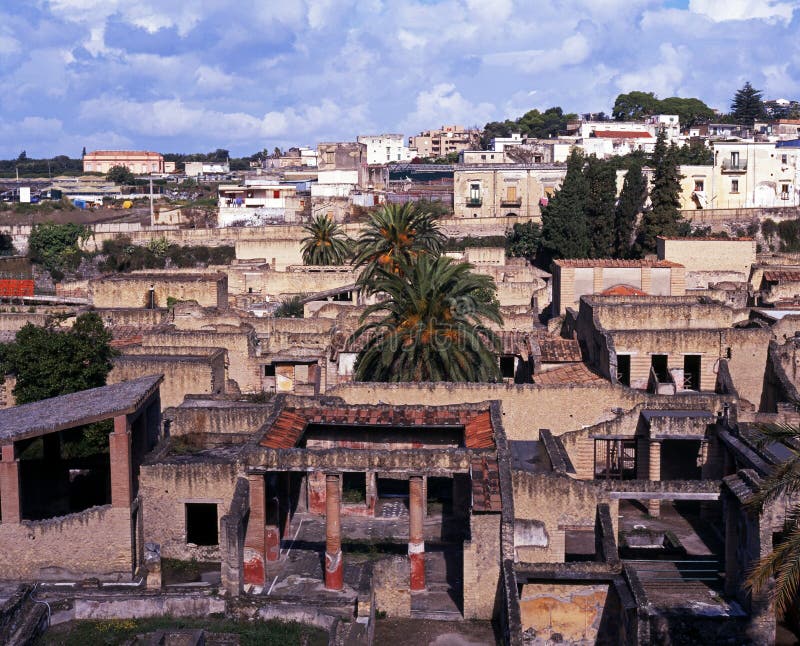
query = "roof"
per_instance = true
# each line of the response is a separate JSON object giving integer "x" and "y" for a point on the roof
{"x": 793, "y": 143}
{"x": 119, "y": 153}
{"x": 76, "y": 409}
{"x": 613, "y": 262}
{"x": 485, "y": 485}
{"x": 155, "y": 277}
{"x": 571, "y": 373}
{"x": 705, "y": 239}
{"x": 622, "y": 134}
{"x": 555, "y": 349}
{"x": 781, "y": 276}
{"x": 288, "y": 427}
{"x": 622, "y": 290}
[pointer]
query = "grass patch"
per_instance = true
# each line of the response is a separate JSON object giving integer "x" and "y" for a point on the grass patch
{"x": 119, "y": 631}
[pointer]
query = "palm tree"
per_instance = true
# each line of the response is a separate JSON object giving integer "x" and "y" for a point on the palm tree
{"x": 430, "y": 326}
{"x": 396, "y": 234}
{"x": 326, "y": 243}
{"x": 783, "y": 563}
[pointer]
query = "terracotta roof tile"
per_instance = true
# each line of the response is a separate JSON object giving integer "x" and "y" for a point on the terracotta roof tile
{"x": 555, "y": 349}
{"x": 573, "y": 373}
{"x": 622, "y": 134}
{"x": 285, "y": 431}
{"x": 781, "y": 276}
{"x": 622, "y": 290}
{"x": 485, "y": 485}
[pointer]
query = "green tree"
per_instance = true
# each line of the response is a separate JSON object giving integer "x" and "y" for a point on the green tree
{"x": 634, "y": 106}
{"x": 747, "y": 105}
{"x": 690, "y": 111}
{"x": 326, "y": 243}
{"x": 565, "y": 232}
{"x": 663, "y": 218}
{"x": 396, "y": 235}
{"x": 6, "y": 245}
{"x": 48, "y": 362}
{"x": 120, "y": 175}
{"x": 523, "y": 240}
{"x": 56, "y": 246}
{"x": 782, "y": 564}
{"x": 291, "y": 307}
{"x": 696, "y": 153}
{"x": 631, "y": 203}
{"x": 431, "y": 326}
{"x": 601, "y": 196}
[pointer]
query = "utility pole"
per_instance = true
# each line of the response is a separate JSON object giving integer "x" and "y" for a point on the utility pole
{"x": 151, "y": 199}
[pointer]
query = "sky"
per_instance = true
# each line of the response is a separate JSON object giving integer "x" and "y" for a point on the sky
{"x": 196, "y": 75}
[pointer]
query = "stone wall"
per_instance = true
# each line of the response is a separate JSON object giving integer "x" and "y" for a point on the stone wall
{"x": 133, "y": 290}
{"x": 482, "y": 559}
{"x": 390, "y": 583}
{"x": 94, "y": 542}
{"x": 203, "y": 373}
{"x": 214, "y": 419}
{"x": 708, "y": 254}
{"x": 166, "y": 488}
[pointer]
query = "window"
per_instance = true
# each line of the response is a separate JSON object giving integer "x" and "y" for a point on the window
{"x": 483, "y": 156}
{"x": 784, "y": 191}
{"x": 624, "y": 369}
{"x": 784, "y": 159}
{"x": 511, "y": 193}
{"x": 330, "y": 157}
{"x": 734, "y": 186}
{"x": 699, "y": 185}
{"x": 507, "y": 366}
{"x": 615, "y": 459}
{"x": 269, "y": 369}
{"x": 475, "y": 192}
{"x": 276, "y": 194}
{"x": 734, "y": 160}
{"x": 202, "y": 527}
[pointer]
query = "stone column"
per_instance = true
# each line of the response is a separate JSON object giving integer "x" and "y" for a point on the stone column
{"x": 416, "y": 536}
{"x": 254, "y": 547}
{"x": 119, "y": 444}
{"x": 9, "y": 486}
{"x": 334, "y": 571}
{"x": 654, "y": 506}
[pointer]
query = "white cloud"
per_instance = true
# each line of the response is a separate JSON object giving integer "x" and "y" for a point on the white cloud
{"x": 664, "y": 77}
{"x": 443, "y": 104}
{"x": 721, "y": 10}
{"x": 575, "y": 49}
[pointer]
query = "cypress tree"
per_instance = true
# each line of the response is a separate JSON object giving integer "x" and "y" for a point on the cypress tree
{"x": 630, "y": 205}
{"x": 663, "y": 218}
{"x": 601, "y": 183}
{"x": 565, "y": 233}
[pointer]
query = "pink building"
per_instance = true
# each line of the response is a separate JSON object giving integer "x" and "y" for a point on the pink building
{"x": 137, "y": 161}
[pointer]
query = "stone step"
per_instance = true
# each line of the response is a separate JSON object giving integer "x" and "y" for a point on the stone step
{"x": 437, "y": 615}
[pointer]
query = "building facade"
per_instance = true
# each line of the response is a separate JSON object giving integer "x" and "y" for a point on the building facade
{"x": 445, "y": 140}
{"x": 386, "y": 148}
{"x": 136, "y": 161}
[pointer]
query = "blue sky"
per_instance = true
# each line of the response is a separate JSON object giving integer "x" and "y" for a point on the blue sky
{"x": 186, "y": 76}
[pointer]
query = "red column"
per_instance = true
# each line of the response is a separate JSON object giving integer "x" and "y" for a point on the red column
{"x": 416, "y": 536}
{"x": 9, "y": 486}
{"x": 119, "y": 444}
{"x": 334, "y": 571}
{"x": 254, "y": 547}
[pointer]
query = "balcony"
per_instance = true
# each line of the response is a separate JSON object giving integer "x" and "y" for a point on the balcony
{"x": 474, "y": 201}
{"x": 739, "y": 166}
{"x": 515, "y": 203}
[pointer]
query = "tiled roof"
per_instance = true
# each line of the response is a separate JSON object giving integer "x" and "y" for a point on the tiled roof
{"x": 485, "y": 485}
{"x": 125, "y": 335}
{"x": 76, "y": 409}
{"x": 613, "y": 262}
{"x": 555, "y": 349}
{"x": 573, "y": 373}
{"x": 782, "y": 276}
{"x": 290, "y": 424}
{"x": 622, "y": 290}
{"x": 622, "y": 134}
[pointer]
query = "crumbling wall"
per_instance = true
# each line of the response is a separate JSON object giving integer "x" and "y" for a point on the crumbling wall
{"x": 95, "y": 542}
{"x": 133, "y": 290}
{"x": 232, "y": 417}
{"x": 166, "y": 488}
{"x": 482, "y": 557}
{"x": 391, "y": 584}
{"x": 562, "y": 612}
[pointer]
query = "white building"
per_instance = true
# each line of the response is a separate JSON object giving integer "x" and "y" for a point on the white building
{"x": 258, "y": 202}
{"x": 382, "y": 149}
{"x": 194, "y": 169}
{"x": 499, "y": 144}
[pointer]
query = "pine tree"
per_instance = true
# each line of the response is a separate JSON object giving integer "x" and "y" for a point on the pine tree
{"x": 565, "y": 233}
{"x": 747, "y": 105}
{"x": 663, "y": 218}
{"x": 601, "y": 184}
{"x": 630, "y": 205}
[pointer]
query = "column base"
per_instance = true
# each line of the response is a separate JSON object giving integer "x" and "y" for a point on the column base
{"x": 654, "y": 508}
{"x": 253, "y": 567}
{"x": 416, "y": 555}
{"x": 334, "y": 571}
